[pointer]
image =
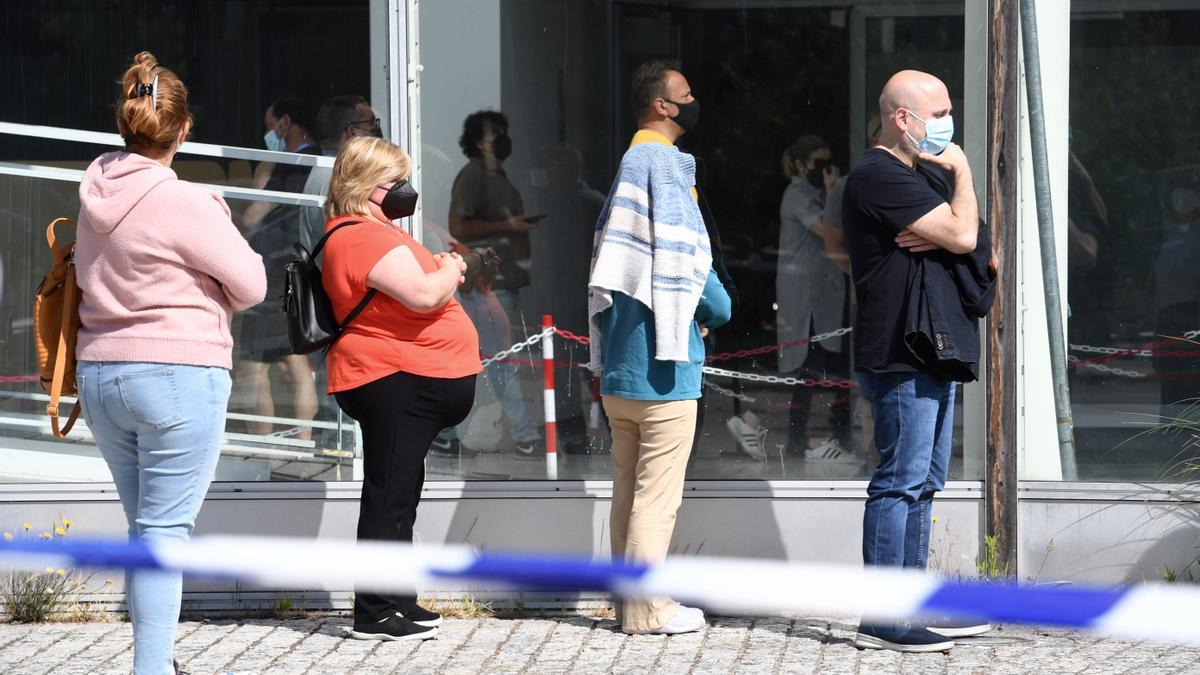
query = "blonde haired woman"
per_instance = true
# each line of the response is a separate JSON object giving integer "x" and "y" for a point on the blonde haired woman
{"x": 162, "y": 268}
{"x": 404, "y": 368}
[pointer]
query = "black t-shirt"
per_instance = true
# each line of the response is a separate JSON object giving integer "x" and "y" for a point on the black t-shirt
{"x": 883, "y": 195}
{"x": 280, "y": 228}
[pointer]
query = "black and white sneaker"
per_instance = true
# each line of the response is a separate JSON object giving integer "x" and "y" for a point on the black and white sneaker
{"x": 750, "y": 439}
{"x": 391, "y": 629}
{"x": 957, "y": 628}
{"x": 907, "y": 638}
{"x": 421, "y": 616}
{"x": 528, "y": 449}
{"x": 450, "y": 447}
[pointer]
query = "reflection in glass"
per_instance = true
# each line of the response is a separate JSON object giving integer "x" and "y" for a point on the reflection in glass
{"x": 766, "y": 77}
{"x": 1134, "y": 283}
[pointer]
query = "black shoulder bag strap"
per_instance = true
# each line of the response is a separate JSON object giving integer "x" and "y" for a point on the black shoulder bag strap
{"x": 362, "y": 304}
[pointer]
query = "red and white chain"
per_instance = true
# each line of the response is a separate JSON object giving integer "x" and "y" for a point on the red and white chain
{"x": 1100, "y": 367}
{"x": 535, "y": 339}
{"x": 729, "y": 392}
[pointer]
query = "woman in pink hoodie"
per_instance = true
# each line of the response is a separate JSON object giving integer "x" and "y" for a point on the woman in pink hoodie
{"x": 161, "y": 268}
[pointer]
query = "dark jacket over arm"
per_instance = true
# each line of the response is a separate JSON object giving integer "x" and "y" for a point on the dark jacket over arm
{"x": 948, "y": 296}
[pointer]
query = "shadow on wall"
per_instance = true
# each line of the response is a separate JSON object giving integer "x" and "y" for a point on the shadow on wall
{"x": 1142, "y": 537}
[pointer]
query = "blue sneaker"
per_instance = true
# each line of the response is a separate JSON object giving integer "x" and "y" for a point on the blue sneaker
{"x": 952, "y": 627}
{"x": 901, "y": 637}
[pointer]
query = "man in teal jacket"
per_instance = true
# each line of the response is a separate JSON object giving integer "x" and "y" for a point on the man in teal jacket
{"x": 652, "y": 295}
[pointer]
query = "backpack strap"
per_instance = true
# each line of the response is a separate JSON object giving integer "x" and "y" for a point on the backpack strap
{"x": 321, "y": 242}
{"x": 60, "y": 358}
{"x": 362, "y": 304}
{"x": 60, "y": 364}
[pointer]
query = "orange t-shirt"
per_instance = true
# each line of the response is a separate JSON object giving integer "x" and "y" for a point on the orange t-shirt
{"x": 388, "y": 337}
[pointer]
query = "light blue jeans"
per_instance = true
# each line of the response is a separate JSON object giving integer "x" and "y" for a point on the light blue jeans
{"x": 159, "y": 428}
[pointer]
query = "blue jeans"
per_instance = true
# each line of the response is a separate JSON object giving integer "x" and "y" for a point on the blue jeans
{"x": 914, "y": 422}
{"x": 159, "y": 428}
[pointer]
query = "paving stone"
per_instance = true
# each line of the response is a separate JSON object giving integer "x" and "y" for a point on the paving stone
{"x": 574, "y": 645}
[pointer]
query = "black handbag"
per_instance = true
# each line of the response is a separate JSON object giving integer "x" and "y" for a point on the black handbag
{"x": 310, "y": 319}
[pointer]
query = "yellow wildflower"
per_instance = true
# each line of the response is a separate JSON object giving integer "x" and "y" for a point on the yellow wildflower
{"x": 46, "y": 535}
{"x": 935, "y": 520}
{"x": 62, "y": 532}
{"x": 62, "y": 573}
{"x": 108, "y": 581}
{"x": 28, "y": 526}
{"x": 49, "y": 570}
{"x": 67, "y": 522}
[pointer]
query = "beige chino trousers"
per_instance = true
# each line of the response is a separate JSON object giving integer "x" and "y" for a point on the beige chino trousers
{"x": 651, "y": 441}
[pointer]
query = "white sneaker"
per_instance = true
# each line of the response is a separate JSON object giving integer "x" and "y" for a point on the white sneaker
{"x": 686, "y": 620}
{"x": 750, "y": 439}
{"x": 830, "y": 453}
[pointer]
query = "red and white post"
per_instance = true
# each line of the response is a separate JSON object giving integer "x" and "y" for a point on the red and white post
{"x": 594, "y": 432}
{"x": 548, "y": 377}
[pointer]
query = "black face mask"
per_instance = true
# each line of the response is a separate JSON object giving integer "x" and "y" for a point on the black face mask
{"x": 502, "y": 147}
{"x": 400, "y": 201}
{"x": 816, "y": 175}
{"x": 689, "y": 114}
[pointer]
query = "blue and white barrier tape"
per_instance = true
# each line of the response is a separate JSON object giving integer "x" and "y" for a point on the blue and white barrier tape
{"x": 1147, "y": 611}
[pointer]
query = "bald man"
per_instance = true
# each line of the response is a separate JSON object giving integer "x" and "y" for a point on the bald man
{"x": 908, "y": 202}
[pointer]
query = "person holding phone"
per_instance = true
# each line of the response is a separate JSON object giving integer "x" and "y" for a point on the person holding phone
{"x": 487, "y": 210}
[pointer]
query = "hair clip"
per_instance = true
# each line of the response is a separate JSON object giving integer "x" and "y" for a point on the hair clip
{"x": 150, "y": 90}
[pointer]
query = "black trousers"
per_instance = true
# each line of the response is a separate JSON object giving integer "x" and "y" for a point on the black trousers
{"x": 400, "y": 415}
{"x": 821, "y": 364}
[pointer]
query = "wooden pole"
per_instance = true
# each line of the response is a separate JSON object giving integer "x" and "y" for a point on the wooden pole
{"x": 1003, "y": 175}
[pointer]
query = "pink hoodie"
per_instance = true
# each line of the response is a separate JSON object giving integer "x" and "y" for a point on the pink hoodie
{"x": 160, "y": 265}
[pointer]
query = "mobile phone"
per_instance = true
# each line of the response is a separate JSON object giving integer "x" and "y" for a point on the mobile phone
{"x": 534, "y": 219}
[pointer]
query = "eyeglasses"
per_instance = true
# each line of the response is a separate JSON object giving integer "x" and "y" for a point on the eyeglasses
{"x": 373, "y": 121}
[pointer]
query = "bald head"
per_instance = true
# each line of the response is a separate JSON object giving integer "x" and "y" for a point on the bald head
{"x": 908, "y": 89}
{"x": 909, "y": 97}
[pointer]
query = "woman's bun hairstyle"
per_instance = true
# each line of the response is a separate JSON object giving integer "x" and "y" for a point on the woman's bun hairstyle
{"x": 152, "y": 110}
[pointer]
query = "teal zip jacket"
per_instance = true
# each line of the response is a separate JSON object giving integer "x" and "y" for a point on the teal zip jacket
{"x": 627, "y": 345}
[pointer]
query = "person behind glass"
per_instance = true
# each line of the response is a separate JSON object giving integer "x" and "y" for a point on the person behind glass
{"x": 404, "y": 368}
{"x": 652, "y": 293}
{"x": 813, "y": 298}
{"x": 272, "y": 229}
{"x": 832, "y": 215}
{"x": 486, "y": 210}
{"x": 572, "y": 207}
{"x": 909, "y": 198}
{"x": 340, "y": 119}
{"x": 161, "y": 268}
{"x": 1177, "y": 296}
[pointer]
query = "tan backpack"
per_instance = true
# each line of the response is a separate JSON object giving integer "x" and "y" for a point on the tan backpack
{"x": 55, "y": 326}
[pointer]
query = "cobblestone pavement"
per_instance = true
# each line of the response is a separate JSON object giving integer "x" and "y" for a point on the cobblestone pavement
{"x": 574, "y": 644}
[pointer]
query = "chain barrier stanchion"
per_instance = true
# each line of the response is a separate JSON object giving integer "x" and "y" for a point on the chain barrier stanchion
{"x": 548, "y": 399}
{"x": 594, "y": 413}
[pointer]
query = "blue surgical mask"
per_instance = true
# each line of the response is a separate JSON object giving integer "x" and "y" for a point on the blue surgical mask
{"x": 938, "y": 133}
{"x": 274, "y": 142}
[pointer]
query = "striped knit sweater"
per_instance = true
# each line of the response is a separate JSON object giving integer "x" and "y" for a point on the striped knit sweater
{"x": 651, "y": 245}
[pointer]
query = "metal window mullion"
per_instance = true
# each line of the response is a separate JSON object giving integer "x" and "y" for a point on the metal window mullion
{"x": 188, "y": 148}
{"x": 230, "y": 192}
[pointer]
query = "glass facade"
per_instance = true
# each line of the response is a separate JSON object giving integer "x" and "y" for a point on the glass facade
{"x": 1132, "y": 196}
{"x": 779, "y": 84}
{"x": 61, "y": 67}
{"x": 775, "y": 84}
